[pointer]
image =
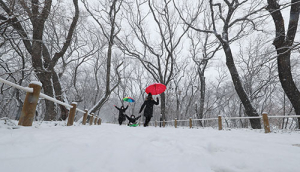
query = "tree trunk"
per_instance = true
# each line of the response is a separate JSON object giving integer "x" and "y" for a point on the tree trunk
{"x": 163, "y": 105}
{"x": 45, "y": 79}
{"x": 286, "y": 80}
{"x": 250, "y": 111}
{"x": 177, "y": 104}
{"x": 59, "y": 96}
{"x": 283, "y": 43}
{"x": 20, "y": 104}
{"x": 202, "y": 98}
{"x": 44, "y": 76}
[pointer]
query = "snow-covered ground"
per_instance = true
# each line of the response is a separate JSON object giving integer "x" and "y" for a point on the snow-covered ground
{"x": 113, "y": 148}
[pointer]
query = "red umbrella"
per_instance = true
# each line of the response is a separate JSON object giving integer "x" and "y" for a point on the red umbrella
{"x": 156, "y": 88}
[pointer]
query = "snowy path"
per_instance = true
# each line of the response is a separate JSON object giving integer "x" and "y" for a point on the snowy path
{"x": 113, "y": 148}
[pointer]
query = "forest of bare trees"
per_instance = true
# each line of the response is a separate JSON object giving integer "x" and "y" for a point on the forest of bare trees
{"x": 233, "y": 58}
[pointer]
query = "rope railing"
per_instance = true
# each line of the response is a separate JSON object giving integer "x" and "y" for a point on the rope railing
{"x": 250, "y": 117}
{"x": 264, "y": 117}
{"x": 26, "y": 89}
{"x": 291, "y": 116}
{"x": 31, "y": 100}
{"x": 55, "y": 100}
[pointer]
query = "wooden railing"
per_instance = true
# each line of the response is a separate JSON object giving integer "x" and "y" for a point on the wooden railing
{"x": 264, "y": 117}
{"x": 32, "y": 96}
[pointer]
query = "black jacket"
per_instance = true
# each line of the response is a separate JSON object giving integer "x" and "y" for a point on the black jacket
{"x": 121, "y": 111}
{"x": 148, "y": 112}
{"x": 132, "y": 120}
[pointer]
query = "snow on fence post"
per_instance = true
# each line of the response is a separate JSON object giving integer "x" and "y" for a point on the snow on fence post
{"x": 91, "y": 119}
{"x": 191, "y": 124}
{"x": 84, "y": 117}
{"x": 29, "y": 106}
{"x": 220, "y": 122}
{"x": 164, "y": 123}
{"x": 266, "y": 122}
{"x": 96, "y": 119}
{"x": 72, "y": 114}
{"x": 99, "y": 121}
{"x": 175, "y": 122}
{"x": 155, "y": 123}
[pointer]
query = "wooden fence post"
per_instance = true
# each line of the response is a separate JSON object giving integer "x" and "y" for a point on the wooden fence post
{"x": 99, "y": 121}
{"x": 220, "y": 122}
{"x": 164, "y": 123}
{"x": 266, "y": 122}
{"x": 29, "y": 106}
{"x": 96, "y": 119}
{"x": 155, "y": 123}
{"x": 191, "y": 124}
{"x": 84, "y": 117}
{"x": 72, "y": 114}
{"x": 175, "y": 123}
{"x": 91, "y": 119}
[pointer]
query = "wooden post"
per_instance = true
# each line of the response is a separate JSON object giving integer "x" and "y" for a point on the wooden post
{"x": 72, "y": 114}
{"x": 99, "y": 121}
{"x": 266, "y": 122}
{"x": 220, "y": 122}
{"x": 175, "y": 123}
{"x": 155, "y": 123}
{"x": 191, "y": 124}
{"x": 96, "y": 119}
{"x": 91, "y": 119}
{"x": 84, "y": 117}
{"x": 164, "y": 123}
{"x": 29, "y": 106}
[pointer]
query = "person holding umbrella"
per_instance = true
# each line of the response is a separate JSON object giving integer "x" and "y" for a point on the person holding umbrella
{"x": 148, "y": 112}
{"x": 122, "y": 117}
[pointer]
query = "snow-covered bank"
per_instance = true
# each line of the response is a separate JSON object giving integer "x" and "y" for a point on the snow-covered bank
{"x": 113, "y": 148}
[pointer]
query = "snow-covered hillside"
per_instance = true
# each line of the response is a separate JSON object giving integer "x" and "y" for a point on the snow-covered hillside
{"x": 113, "y": 148}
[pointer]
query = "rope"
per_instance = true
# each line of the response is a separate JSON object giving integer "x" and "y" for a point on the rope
{"x": 27, "y": 89}
{"x": 30, "y": 90}
{"x": 252, "y": 117}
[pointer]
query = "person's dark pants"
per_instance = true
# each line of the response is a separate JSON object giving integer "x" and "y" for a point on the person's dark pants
{"x": 121, "y": 119}
{"x": 147, "y": 120}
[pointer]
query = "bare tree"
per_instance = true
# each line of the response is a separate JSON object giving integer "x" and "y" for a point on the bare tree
{"x": 106, "y": 18}
{"x": 42, "y": 62}
{"x": 202, "y": 50}
{"x": 13, "y": 67}
{"x": 284, "y": 44}
{"x": 258, "y": 72}
{"x": 232, "y": 28}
